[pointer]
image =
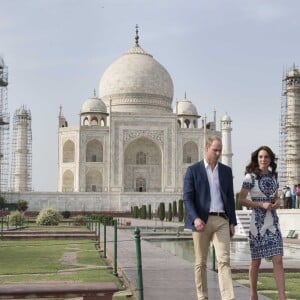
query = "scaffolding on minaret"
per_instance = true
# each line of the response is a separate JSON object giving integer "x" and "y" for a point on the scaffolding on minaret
{"x": 21, "y": 163}
{"x": 282, "y": 137}
{"x": 4, "y": 128}
{"x": 289, "y": 143}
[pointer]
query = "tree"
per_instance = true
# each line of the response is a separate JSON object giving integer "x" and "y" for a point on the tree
{"x": 2, "y": 202}
{"x": 238, "y": 206}
{"x": 143, "y": 212}
{"x": 48, "y": 216}
{"x": 22, "y": 205}
{"x": 170, "y": 214}
{"x": 149, "y": 212}
{"x": 16, "y": 218}
{"x": 135, "y": 212}
{"x": 161, "y": 211}
{"x": 175, "y": 213}
{"x": 180, "y": 210}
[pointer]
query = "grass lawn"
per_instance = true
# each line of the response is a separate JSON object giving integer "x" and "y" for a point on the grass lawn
{"x": 32, "y": 261}
{"x": 267, "y": 287}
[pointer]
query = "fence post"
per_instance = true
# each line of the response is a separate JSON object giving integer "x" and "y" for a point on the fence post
{"x": 1, "y": 228}
{"x": 87, "y": 223}
{"x": 104, "y": 237}
{"x": 140, "y": 288}
{"x": 115, "y": 272}
{"x": 213, "y": 258}
{"x": 99, "y": 222}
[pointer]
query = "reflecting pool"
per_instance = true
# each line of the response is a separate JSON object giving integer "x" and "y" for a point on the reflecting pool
{"x": 240, "y": 252}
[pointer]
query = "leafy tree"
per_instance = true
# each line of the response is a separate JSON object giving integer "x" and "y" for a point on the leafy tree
{"x": 2, "y": 202}
{"x": 143, "y": 212}
{"x": 135, "y": 212}
{"x": 66, "y": 214}
{"x": 16, "y": 218}
{"x": 180, "y": 210}
{"x": 170, "y": 214}
{"x": 175, "y": 213}
{"x": 149, "y": 212}
{"x": 238, "y": 206}
{"x": 48, "y": 216}
{"x": 161, "y": 211}
{"x": 22, "y": 205}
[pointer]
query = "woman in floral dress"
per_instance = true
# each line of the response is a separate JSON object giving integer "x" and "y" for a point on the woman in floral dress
{"x": 265, "y": 238}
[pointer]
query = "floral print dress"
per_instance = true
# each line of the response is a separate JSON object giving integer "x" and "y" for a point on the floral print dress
{"x": 264, "y": 235}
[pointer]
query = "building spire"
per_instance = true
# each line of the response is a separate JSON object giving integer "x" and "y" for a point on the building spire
{"x": 137, "y": 35}
{"x": 60, "y": 110}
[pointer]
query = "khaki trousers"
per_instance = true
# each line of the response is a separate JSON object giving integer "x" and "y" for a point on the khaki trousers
{"x": 217, "y": 231}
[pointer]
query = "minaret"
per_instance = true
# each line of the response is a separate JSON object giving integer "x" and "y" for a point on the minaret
{"x": 61, "y": 119}
{"x": 22, "y": 151}
{"x": 226, "y": 140}
{"x": 4, "y": 128}
{"x": 292, "y": 127}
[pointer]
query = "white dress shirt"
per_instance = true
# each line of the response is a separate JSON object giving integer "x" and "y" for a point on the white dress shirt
{"x": 216, "y": 204}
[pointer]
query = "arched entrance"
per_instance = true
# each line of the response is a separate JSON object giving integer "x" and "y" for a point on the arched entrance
{"x": 93, "y": 181}
{"x": 142, "y": 166}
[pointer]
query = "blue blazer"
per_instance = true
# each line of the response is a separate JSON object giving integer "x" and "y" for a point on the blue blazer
{"x": 196, "y": 193}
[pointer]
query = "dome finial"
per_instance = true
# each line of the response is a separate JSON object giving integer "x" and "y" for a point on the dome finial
{"x": 137, "y": 35}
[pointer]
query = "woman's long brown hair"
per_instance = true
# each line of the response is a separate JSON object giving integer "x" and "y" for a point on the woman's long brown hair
{"x": 253, "y": 167}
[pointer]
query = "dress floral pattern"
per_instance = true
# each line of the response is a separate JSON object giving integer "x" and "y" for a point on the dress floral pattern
{"x": 265, "y": 236}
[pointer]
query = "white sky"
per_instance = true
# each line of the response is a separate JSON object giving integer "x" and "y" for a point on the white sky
{"x": 227, "y": 55}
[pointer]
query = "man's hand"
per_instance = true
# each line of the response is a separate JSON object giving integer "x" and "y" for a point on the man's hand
{"x": 199, "y": 224}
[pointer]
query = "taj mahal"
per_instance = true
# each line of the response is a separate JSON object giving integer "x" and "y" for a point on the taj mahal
{"x": 132, "y": 143}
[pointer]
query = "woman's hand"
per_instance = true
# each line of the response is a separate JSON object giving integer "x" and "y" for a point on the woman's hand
{"x": 276, "y": 204}
{"x": 266, "y": 205}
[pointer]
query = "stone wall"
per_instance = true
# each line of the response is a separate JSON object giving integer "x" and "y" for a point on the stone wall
{"x": 95, "y": 202}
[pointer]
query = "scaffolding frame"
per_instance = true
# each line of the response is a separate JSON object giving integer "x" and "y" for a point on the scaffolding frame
{"x": 289, "y": 158}
{"x": 21, "y": 162}
{"x": 4, "y": 128}
{"x": 282, "y": 137}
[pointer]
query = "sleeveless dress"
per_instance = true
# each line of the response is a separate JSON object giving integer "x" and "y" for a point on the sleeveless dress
{"x": 264, "y": 236}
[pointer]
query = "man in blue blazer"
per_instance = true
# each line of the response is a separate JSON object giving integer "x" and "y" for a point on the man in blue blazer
{"x": 210, "y": 212}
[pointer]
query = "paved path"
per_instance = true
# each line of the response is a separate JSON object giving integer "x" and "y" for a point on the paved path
{"x": 165, "y": 276}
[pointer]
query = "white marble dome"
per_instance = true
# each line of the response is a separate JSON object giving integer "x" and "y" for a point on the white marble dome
{"x": 93, "y": 104}
{"x": 136, "y": 82}
{"x": 226, "y": 118}
{"x": 293, "y": 73}
{"x": 186, "y": 107}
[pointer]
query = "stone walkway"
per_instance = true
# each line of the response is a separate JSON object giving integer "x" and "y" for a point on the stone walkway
{"x": 165, "y": 276}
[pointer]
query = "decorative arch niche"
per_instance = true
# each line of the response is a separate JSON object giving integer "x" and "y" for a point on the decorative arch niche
{"x": 190, "y": 153}
{"x": 68, "y": 181}
{"x": 68, "y": 151}
{"x": 94, "y": 151}
{"x": 142, "y": 166}
{"x": 93, "y": 181}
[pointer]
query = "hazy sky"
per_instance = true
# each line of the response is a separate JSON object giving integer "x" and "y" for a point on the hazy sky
{"x": 228, "y": 55}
